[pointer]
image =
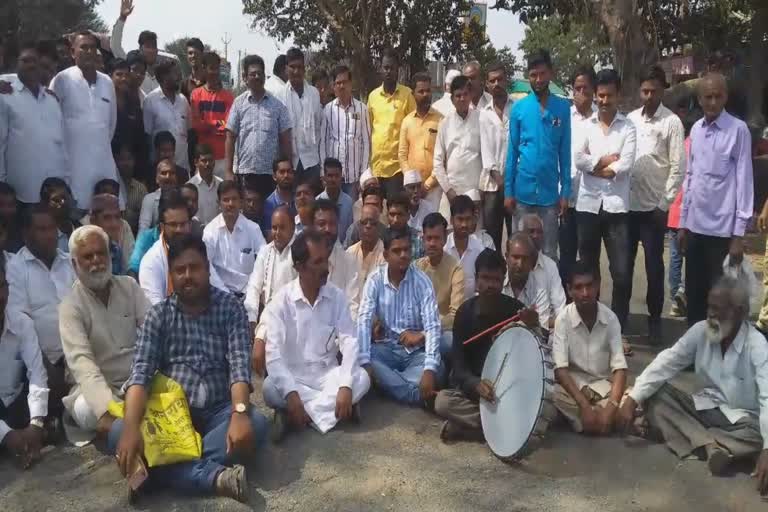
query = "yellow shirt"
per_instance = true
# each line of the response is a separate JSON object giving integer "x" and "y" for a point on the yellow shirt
{"x": 417, "y": 144}
{"x": 386, "y": 113}
{"x": 448, "y": 279}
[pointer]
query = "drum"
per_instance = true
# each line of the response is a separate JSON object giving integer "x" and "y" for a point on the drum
{"x": 521, "y": 367}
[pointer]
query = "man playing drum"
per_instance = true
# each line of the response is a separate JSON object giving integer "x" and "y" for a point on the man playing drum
{"x": 590, "y": 368}
{"x": 728, "y": 418}
{"x": 460, "y": 406}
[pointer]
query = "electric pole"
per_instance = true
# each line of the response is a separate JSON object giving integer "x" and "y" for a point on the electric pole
{"x": 226, "y": 40}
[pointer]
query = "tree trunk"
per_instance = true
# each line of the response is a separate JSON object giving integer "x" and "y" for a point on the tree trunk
{"x": 633, "y": 48}
{"x": 758, "y": 81}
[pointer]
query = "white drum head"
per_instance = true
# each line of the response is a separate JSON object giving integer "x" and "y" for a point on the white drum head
{"x": 509, "y": 423}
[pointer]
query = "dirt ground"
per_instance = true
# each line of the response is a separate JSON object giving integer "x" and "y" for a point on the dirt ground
{"x": 394, "y": 461}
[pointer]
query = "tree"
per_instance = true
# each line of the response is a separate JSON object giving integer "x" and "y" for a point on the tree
{"x": 477, "y": 46}
{"x": 358, "y": 31}
{"x": 178, "y": 47}
{"x": 570, "y": 44}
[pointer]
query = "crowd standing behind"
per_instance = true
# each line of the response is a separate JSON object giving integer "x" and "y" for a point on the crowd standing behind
{"x": 329, "y": 244}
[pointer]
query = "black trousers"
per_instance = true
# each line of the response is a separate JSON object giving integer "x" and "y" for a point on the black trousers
{"x": 613, "y": 229}
{"x": 569, "y": 244}
{"x": 494, "y": 217}
{"x": 392, "y": 186}
{"x": 645, "y": 228}
{"x": 16, "y": 415}
{"x": 264, "y": 183}
{"x": 703, "y": 266}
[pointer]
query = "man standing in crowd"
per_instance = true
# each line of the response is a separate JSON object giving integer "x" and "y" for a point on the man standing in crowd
{"x": 538, "y": 166}
{"x": 166, "y": 109}
{"x": 446, "y": 274}
{"x": 31, "y": 131}
{"x": 99, "y": 321}
{"x": 322, "y": 82}
{"x": 480, "y": 98}
{"x": 306, "y": 113}
{"x": 89, "y": 107}
{"x": 655, "y": 180}
{"x": 444, "y": 105}
{"x": 387, "y": 107}
{"x": 605, "y": 160}
{"x": 457, "y": 151}
{"x": 346, "y": 132}
{"x": 308, "y": 326}
{"x": 719, "y": 195}
{"x": 276, "y": 82}
{"x": 583, "y": 84}
{"x": 494, "y": 134}
{"x": 210, "y": 104}
{"x": 405, "y": 362}
{"x": 418, "y": 135}
{"x": 259, "y": 128}
{"x": 147, "y": 47}
{"x": 39, "y": 277}
{"x": 199, "y": 73}
{"x": 216, "y": 381}
{"x": 233, "y": 241}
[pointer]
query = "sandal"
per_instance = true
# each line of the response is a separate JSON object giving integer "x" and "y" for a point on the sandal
{"x": 628, "y": 352}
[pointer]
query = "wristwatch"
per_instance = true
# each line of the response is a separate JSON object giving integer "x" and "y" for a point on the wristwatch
{"x": 240, "y": 408}
{"x": 37, "y": 422}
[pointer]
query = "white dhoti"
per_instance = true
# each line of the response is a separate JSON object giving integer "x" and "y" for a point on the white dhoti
{"x": 318, "y": 392}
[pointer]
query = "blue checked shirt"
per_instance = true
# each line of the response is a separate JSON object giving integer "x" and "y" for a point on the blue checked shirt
{"x": 410, "y": 307}
{"x": 205, "y": 354}
{"x": 257, "y": 125}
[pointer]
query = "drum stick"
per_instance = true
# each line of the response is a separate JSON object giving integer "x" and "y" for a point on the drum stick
{"x": 501, "y": 369}
{"x": 491, "y": 329}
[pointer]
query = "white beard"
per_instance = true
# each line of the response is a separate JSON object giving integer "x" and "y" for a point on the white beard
{"x": 95, "y": 280}
{"x": 717, "y": 330}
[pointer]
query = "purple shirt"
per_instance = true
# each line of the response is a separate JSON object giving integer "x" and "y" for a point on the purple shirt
{"x": 718, "y": 193}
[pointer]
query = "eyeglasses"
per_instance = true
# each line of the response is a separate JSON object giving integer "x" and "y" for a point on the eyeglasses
{"x": 368, "y": 222}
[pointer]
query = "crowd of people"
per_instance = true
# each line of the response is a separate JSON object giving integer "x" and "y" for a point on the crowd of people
{"x": 299, "y": 235}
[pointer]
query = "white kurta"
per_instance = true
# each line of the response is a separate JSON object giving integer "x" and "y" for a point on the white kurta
{"x": 90, "y": 118}
{"x": 457, "y": 160}
{"x": 160, "y": 114}
{"x": 233, "y": 254}
{"x": 303, "y": 341}
{"x": 272, "y": 271}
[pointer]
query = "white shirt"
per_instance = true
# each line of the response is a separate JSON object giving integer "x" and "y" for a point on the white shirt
{"x": 149, "y": 215}
{"x": 160, "y": 114}
{"x": 307, "y": 118}
{"x": 273, "y": 270}
{"x": 304, "y": 339}
{"x": 546, "y": 272}
{"x": 612, "y": 194}
{"x": 19, "y": 349}
{"x": 533, "y": 295}
{"x": 36, "y": 291}
{"x": 346, "y": 136}
{"x": 274, "y": 85}
{"x": 153, "y": 273}
{"x": 233, "y": 254}
{"x": 485, "y": 100}
{"x": 342, "y": 270}
{"x": 417, "y": 221}
{"x": 444, "y": 105}
{"x": 474, "y": 248}
{"x": 207, "y": 198}
{"x": 494, "y": 135}
{"x": 457, "y": 161}
{"x": 590, "y": 356}
{"x": 660, "y": 160}
{"x": 736, "y": 383}
{"x": 578, "y": 134}
{"x": 90, "y": 118}
{"x": 31, "y": 141}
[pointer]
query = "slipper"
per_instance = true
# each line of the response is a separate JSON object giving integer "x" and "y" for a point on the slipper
{"x": 628, "y": 352}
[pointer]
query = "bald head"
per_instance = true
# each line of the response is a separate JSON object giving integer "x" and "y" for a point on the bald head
{"x": 713, "y": 95}
{"x": 520, "y": 257}
{"x": 472, "y": 71}
{"x": 532, "y": 225}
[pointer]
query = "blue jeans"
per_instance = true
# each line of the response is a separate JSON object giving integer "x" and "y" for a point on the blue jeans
{"x": 397, "y": 372}
{"x": 675, "y": 264}
{"x": 549, "y": 218}
{"x": 199, "y": 476}
{"x": 446, "y": 342}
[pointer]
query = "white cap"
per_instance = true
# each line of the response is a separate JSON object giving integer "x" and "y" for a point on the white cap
{"x": 450, "y": 75}
{"x": 411, "y": 177}
{"x": 366, "y": 176}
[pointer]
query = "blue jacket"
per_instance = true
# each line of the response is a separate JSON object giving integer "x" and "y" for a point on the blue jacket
{"x": 538, "y": 170}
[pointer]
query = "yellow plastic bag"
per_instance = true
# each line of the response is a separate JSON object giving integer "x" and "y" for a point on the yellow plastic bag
{"x": 167, "y": 430}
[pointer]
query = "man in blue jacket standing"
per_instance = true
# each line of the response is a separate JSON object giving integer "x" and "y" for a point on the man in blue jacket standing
{"x": 537, "y": 178}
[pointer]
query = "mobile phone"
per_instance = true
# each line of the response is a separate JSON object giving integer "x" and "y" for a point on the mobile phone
{"x": 138, "y": 474}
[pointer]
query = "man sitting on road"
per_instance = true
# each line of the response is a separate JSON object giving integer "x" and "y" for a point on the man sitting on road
{"x": 590, "y": 367}
{"x": 308, "y": 325}
{"x": 405, "y": 360}
{"x": 544, "y": 268}
{"x": 523, "y": 284}
{"x": 460, "y": 406}
{"x": 727, "y": 419}
{"x": 398, "y": 209}
{"x": 367, "y": 254}
{"x": 98, "y": 321}
{"x": 198, "y": 337}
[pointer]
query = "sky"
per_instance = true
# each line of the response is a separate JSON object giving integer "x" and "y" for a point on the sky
{"x": 210, "y": 21}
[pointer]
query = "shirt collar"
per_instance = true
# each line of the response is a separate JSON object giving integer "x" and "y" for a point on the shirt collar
{"x": 384, "y": 269}
{"x": 618, "y": 118}
{"x": 28, "y": 256}
{"x": 575, "y": 317}
{"x": 575, "y": 112}
{"x": 723, "y": 121}
{"x": 741, "y": 338}
{"x": 297, "y": 295}
{"x": 264, "y": 97}
{"x": 398, "y": 90}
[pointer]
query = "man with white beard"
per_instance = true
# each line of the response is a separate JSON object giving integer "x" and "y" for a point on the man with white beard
{"x": 728, "y": 418}
{"x": 98, "y": 321}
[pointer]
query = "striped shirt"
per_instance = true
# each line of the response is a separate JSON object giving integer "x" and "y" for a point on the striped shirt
{"x": 135, "y": 192}
{"x": 346, "y": 136}
{"x": 257, "y": 125}
{"x": 409, "y": 307}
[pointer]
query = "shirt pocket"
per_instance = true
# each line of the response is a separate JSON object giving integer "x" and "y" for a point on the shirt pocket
{"x": 430, "y": 140}
{"x": 720, "y": 166}
{"x": 321, "y": 343}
